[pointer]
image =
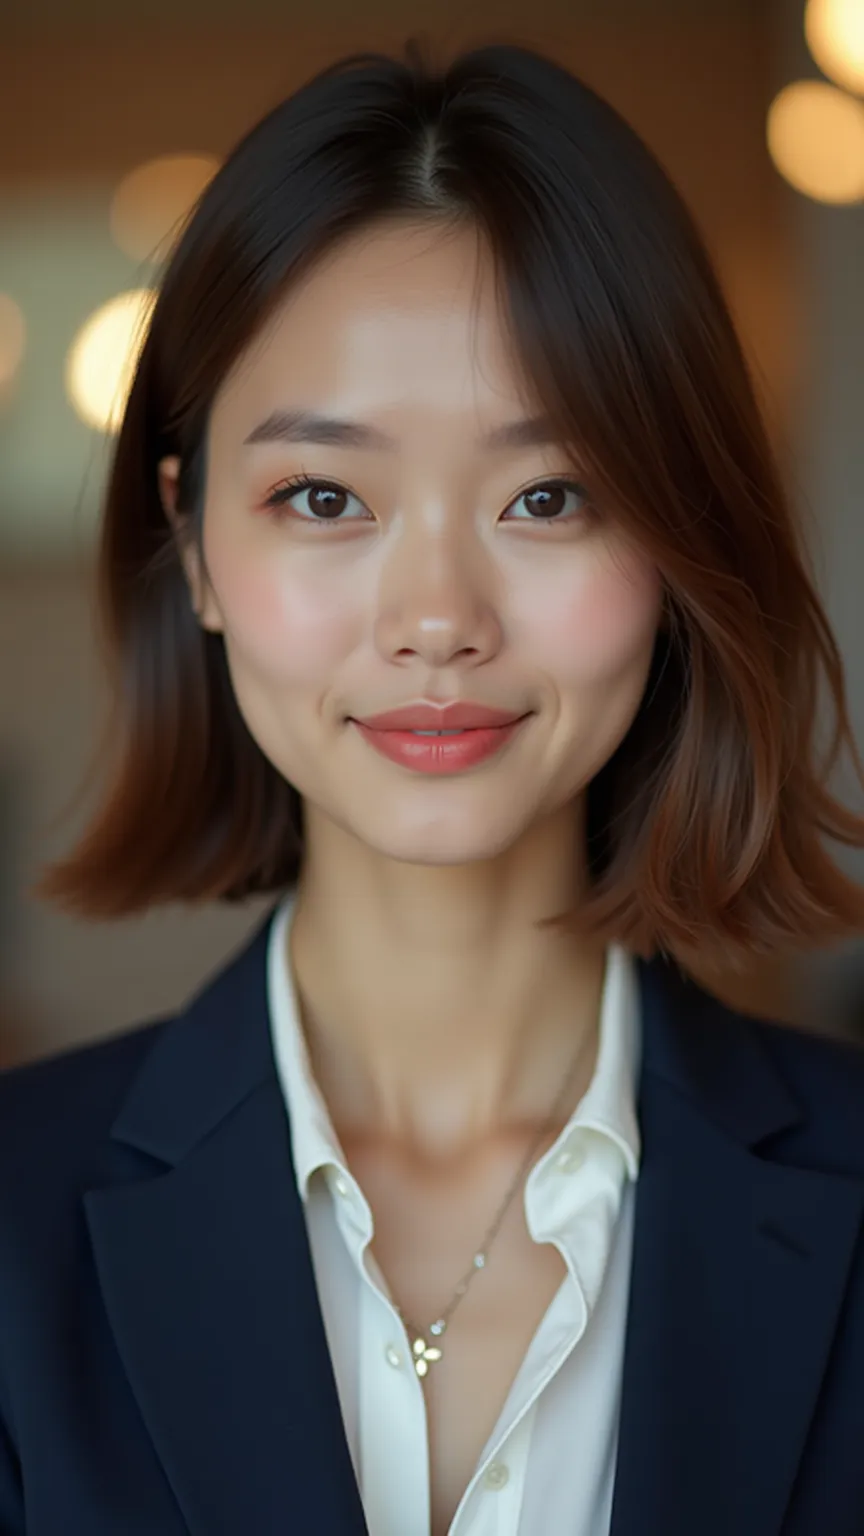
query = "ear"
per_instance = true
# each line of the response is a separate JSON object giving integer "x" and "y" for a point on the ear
{"x": 203, "y": 599}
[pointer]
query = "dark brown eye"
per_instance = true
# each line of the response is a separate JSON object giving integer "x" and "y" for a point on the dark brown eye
{"x": 324, "y": 503}
{"x": 326, "y": 500}
{"x": 552, "y": 502}
{"x": 547, "y": 500}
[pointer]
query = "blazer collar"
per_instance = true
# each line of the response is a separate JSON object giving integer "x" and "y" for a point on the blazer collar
{"x": 738, "y": 1270}
{"x": 714, "y": 1057}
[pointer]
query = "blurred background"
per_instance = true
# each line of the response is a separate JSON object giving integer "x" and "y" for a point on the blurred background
{"x": 110, "y": 127}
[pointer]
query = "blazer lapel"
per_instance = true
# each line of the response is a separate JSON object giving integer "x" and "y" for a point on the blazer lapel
{"x": 201, "y": 1250}
{"x": 738, "y": 1273}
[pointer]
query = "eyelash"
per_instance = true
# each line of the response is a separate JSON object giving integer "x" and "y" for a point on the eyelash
{"x": 283, "y": 492}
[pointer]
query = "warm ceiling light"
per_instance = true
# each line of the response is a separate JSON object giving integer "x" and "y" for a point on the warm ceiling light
{"x": 13, "y": 333}
{"x": 151, "y": 203}
{"x": 816, "y": 140}
{"x": 835, "y": 36}
{"x": 101, "y": 361}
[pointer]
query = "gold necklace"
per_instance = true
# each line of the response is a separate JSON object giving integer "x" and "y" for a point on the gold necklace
{"x": 423, "y": 1353}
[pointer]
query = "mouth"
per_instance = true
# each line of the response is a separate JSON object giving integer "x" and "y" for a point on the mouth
{"x": 461, "y": 730}
{"x": 429, "y": 720}
{"x": 448, "y": 751}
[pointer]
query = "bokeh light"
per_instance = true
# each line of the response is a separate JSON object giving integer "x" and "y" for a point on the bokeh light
{"x": 152, "y": 202}
{"x": 13, "y": 336}
{"x": 816, "y": 139}
{"x": 834, "y": 30}
{"x": 101, "y": 361}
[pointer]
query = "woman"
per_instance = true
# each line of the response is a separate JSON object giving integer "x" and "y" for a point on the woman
{"x": 452, "y": 1203}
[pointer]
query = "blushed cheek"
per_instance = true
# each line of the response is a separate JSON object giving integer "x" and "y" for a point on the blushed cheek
{"x": 280, "y": 627}
{"x": 603, "y": 631}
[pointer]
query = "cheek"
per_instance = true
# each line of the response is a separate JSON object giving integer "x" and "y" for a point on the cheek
{"x": 278, "y": 623}
{"x": 602, "y": 629}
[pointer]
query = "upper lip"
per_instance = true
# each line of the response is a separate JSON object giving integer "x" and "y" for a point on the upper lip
{"x": 437, "y": 717}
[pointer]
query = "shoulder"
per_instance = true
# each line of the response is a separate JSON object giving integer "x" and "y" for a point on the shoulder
{"x": 816, "y": 1064}
{"x": 796, "y": 1095}
{"x": 826, "y": 1076}
{"x": 57, "y": 1110}
{"x": 56, "y": 1115}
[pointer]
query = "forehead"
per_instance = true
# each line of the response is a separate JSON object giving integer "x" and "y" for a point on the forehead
{"x": 397, "y": 318}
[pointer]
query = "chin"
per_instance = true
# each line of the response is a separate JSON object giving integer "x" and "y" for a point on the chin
{"x": 442, "y": 842}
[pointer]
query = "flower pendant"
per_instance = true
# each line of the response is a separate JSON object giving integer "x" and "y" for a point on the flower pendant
{"x": 424, "y": 1354}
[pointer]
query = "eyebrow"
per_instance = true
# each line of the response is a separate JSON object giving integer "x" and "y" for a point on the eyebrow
{"x": 301, "y": 426}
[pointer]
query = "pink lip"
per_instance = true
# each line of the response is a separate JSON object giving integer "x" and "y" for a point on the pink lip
{"x": 440, "y": 754}
{"x": 434, "y": 717}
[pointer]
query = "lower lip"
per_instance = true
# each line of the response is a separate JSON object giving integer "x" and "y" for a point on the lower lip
{"x": 440, "y": 754}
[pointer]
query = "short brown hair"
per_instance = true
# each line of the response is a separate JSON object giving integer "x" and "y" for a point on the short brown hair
{"x": 705, "y": 828}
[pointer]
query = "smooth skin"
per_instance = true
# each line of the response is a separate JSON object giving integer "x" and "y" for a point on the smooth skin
{"x": 439, "y": 1022}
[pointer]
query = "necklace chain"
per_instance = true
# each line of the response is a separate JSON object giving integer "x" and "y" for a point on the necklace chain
{"x": 425, "y": 1354}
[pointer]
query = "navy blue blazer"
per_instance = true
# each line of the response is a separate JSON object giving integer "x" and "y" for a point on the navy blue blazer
{"x": 164, "y": 1368}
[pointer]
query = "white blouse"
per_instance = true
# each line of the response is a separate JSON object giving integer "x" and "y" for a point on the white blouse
{"x": 549, "y": 1463}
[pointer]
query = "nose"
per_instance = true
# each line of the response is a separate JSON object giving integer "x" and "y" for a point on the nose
{"x": 437, "y": 603}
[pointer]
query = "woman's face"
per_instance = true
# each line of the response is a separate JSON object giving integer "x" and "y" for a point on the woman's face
{"x": 423, "y": 569}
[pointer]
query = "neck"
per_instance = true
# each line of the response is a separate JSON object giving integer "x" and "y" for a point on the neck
{"x": 435, "y": 1012}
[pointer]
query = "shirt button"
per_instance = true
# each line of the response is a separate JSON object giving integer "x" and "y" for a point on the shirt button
{"x": 393, "y": 1356}
{"x": 496, "y": 1475}
{"x": 569, "y": 1162}
{"x": 340, "y": 1185}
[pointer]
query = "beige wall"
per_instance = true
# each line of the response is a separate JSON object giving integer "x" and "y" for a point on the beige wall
{"x": 75, "y": 107}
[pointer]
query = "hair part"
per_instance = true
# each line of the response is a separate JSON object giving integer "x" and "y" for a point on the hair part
{"x": 706, "y": 828}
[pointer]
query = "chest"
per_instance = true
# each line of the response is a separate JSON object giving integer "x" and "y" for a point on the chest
{"x": 427, "y": 1229}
